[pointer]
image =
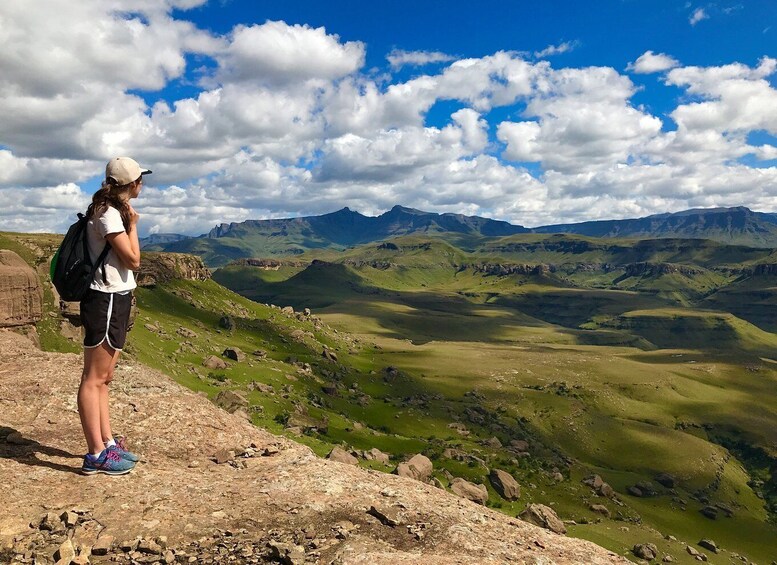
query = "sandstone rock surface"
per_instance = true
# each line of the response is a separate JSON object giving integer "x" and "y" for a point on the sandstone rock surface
{"x": 281, "y": 492}
{"x": 21, "y": 296}
{"x": 162, "y": 267}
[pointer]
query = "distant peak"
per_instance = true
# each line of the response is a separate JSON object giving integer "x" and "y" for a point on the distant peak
{"x": 345, "y": 211}
{"x": 398, "y": 208}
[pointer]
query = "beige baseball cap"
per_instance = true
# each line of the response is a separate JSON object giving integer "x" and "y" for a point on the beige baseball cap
{"x": 124, "y": 170}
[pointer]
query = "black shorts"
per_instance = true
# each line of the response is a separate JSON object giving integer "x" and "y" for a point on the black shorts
{"x": 105, "y": 316}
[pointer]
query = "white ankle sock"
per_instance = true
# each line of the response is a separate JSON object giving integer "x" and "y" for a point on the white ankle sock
{"x": 110, "y": 443}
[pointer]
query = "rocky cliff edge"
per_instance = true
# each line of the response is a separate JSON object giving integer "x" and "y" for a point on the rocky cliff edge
{"x": 272, "y": 500}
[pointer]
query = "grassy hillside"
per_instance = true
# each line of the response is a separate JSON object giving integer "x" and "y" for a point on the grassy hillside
{"x": 441, "y": 360}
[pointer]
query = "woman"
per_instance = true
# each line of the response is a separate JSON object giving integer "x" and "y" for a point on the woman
{"x": 105, "y": 310}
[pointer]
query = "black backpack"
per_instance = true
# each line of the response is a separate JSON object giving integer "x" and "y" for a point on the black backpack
{"x": 72, "y": 270}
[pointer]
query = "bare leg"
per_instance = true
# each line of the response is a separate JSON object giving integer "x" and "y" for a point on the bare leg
{"x": 105, "y": 418}
{"x": 98, "y": 371}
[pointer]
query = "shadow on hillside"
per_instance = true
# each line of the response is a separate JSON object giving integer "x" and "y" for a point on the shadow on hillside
{"x": 26, "y": 451}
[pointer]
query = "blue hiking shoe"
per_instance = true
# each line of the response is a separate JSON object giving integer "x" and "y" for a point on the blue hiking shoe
{"x": 109, "y": 462}
{"x": 121, "y": 447}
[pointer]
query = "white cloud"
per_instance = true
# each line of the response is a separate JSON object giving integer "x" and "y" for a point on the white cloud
{"x": 278, "y": 53}
{"x": 584, "y": 122}
{"x": 650, "y": 62}
{"x": 399, "y": 58}
{"x": 698, "y": 15}
{"x": 734, "y": 100}
{"x": 551, "y": 50}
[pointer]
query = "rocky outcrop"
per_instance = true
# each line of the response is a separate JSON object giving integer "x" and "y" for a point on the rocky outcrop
{"x": 654, "y": 269}
{"x": 375, "y": 264}
{"x": 156, "y": 268}
{"x": 266, "y": 264}
{"x": 504, "y": 269}
{"x": 764, "y": 269}
{"x": 271, "y": 499}
{"x": 21, "y": 296}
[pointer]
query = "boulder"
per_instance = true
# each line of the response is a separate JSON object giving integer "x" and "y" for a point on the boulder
{"x": 606, "y": 491}
{"x": 709, "y": 512}
{"x": 599, "y": 486}
{"x": 21, "y": 296}
{"x": 186, "y": 332}
{"x": 646, "y": 551}
{"x": 634, "y": 491}
{"x": 214, "y": 362}
{"x": 342, "y": 456}
{"x": 418, "y": 467}
{"x": 725, "y": 509}
{"x": 231, "y": 400}
{"x": 307, "y": 423}
{"x": 65, "y": 553}
{"x": 666, "y": 480}
{"x": 647, "y": 488}
{"x": 103, "y": 546}
{"x": 709, "y": 544}
{"x": 504, "y": 483}
{"x": 226, "y": 322}
{"x": 234, "y": 353}
{"x": 519, "y": 445}
{"x": 51, "y": 522}
{"x": 543, "y": 516}
{"x": 600, "y": 509}
{"x": 470, "y": 491}
{"x": 329, "y": 355}
{"x": 493, "y": 443}
{"x": 593, "y": 481}
{"x": 261, "y": 387}
{"x": 376, "y": 454}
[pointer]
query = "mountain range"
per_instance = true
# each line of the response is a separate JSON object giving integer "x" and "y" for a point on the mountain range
{"x": 346, "y": 228}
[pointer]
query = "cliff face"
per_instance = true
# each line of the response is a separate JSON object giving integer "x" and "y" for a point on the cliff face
{"x": 269, "y": 491}
{"x": 163, "y": 267}
{"x": 21, "y": 296}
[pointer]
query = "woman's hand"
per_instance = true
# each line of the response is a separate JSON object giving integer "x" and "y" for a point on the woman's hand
{"x": 134, "y": 216}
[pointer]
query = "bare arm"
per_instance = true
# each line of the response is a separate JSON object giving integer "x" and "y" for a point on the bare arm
{"x": 126, "y": 245}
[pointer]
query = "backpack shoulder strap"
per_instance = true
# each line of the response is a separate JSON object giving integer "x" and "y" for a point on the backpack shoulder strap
{"x": 101, "y": 260}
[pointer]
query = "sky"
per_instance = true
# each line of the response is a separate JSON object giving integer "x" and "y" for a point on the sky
{"x": 530, "y": 112}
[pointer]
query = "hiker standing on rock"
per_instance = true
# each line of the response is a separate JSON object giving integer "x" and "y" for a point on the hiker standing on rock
{"x": 105, "y": 310}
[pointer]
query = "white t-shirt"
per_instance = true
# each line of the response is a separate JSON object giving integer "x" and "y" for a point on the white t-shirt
{"x": 119, "y": 278}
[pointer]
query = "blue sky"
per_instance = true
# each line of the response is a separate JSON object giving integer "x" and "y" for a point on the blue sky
{"x": 531, "y": 112}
